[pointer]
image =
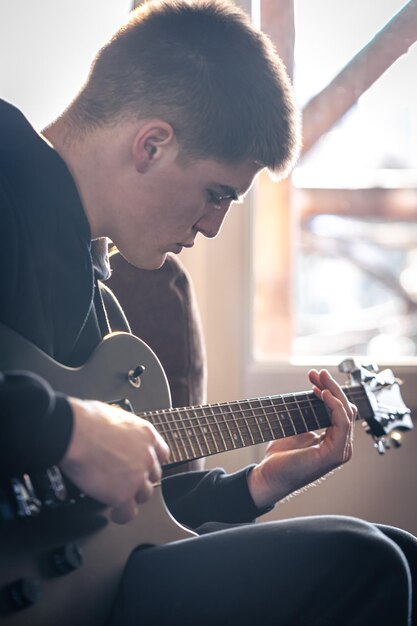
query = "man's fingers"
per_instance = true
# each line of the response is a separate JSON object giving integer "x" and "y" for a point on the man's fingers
{"x": 314, "y": 377}
{"x": 124, "y": 513}
{"x": 145, "y": 492}
{"x": 297, "y": 442}
{"x": 323, "y": 380}
{"x": 154, "y": 474}
{"x": 162, "y": 450}
{"x": 344, "y": 426}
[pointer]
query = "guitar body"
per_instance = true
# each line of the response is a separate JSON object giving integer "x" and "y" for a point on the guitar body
{"x": 46, "y": 526}
{"x": 82, "y": 597}
{"x": 103, "y": 377}
{"x": 28, "y": 546}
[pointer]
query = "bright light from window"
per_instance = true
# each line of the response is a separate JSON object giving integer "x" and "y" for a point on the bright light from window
{"x": 46, "y": 48}
{"x": 335, "y": 253}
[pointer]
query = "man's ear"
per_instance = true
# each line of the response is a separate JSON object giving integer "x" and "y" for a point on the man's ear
{"x": 151, "y": 143}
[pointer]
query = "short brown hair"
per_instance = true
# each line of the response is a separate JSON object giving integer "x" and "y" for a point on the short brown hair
{"x": 202, "y": 67}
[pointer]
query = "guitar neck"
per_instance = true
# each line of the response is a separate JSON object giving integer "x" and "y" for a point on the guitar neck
{"x": 199, "y": 431}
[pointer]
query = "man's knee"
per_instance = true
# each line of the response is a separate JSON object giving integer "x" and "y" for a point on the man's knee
{"x": 364, "y": 549}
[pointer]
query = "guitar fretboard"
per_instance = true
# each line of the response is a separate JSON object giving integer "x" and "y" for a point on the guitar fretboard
{"x": 198, "y": 431}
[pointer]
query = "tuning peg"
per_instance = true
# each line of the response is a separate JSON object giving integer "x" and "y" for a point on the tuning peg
{"x": 396, "y": 438}
{"x": 371, "y": 367}
{"x": 347, "y": 366}
{"x": 379, "y": 445}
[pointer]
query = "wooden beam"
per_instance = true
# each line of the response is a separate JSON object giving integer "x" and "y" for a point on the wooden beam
{"x": 277, "y": 21}
{"x": 328, "y": 106}
{"x": 273, "y": 218}
{"x": 375, "y": 203}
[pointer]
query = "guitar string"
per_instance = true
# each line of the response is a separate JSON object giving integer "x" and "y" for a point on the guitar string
{"x": 293, "y": 423}
{"x": 241, "y": 421}
{"x": 222, "y": 427}
{"x": 210, "y": 419}
{"x": 294, "y": 405}
{"x": 197, "y": 445}
{"x": 205, "y": 411}
{"x": 290, "y": 404}
{"x": 166, "y": 427}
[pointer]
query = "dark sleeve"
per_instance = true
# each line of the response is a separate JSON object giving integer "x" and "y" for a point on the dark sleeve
{"x": 35, "y": 424}
{"x": 195, "y": 498}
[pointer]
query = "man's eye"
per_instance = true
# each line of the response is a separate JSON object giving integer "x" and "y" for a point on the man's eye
{"x": 214, "y": 198}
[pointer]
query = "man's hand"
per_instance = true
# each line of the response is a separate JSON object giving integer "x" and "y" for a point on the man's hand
{"x": 290, "y": 464}
{"x": 113, "y": 456}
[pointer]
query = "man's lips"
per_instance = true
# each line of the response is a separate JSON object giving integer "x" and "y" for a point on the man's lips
{"x": 177, "y": 247}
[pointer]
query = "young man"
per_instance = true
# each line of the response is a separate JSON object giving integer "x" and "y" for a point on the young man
{"x": 181, "y": 110}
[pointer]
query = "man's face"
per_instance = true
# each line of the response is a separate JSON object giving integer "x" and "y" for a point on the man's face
{"x": 177, "y": 201}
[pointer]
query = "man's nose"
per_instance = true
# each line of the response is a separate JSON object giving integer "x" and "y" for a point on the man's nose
{"x": 211, "y": 222}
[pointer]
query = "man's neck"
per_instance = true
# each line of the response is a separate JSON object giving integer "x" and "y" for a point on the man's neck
{"x": 78, "y": 155}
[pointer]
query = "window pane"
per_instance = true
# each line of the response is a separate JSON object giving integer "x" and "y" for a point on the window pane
{"x": 352, "y": 205}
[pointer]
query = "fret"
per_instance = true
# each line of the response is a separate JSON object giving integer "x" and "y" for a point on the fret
{"x": 246, "y": 409}
{"x": 233, "y": 426}
{"x": 259, "y": 419}
{"x": 276, "y": 427}
{"x": 236, "y": 423}
{"x": 190, "y": 432}
{"x": 289, "y": 415}
{"x": 310, "y": 400}
{"x": 216, "y": 445}
{"x": 265, "y": 402}
{"x": 322, "y": 418}
{"x": 304, "y": 428}
{"x": 285, "y": 421}
{"x": 181, "y": 438}
{"x": 204, "y": 431}
{"x": 227, "y": 432}
{"x": 177, "y": 425}
{"x": 242, "y": 424}
{"x": 217, "y": 420}
{"x": 171, "y": 436}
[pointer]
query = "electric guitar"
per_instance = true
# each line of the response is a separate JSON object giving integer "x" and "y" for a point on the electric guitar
{"x": 61, "y": 558}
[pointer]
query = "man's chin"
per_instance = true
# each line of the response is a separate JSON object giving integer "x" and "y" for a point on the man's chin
{"x": 154, "y": 263}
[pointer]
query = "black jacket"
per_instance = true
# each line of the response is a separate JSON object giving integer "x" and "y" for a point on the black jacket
{"x": 48, "y": 291}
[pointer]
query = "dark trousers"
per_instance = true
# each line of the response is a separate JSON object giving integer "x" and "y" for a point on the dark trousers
{"x": 312, "y": 571}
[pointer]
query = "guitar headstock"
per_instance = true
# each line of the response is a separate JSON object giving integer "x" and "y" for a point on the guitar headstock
{"x": 389, "y": 416}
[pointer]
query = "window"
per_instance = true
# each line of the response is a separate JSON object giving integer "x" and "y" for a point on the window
{"x": 335, "y": 248}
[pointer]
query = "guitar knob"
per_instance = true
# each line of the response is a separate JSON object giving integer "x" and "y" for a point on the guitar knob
{"x": 396, "y": 438}
{"x": 67, "y": 559}
{"x": 134, "y": 375}
{"x": 23, "y": 593}
{"x": 54, "y": 486}
{"x": 379, "y": 445}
